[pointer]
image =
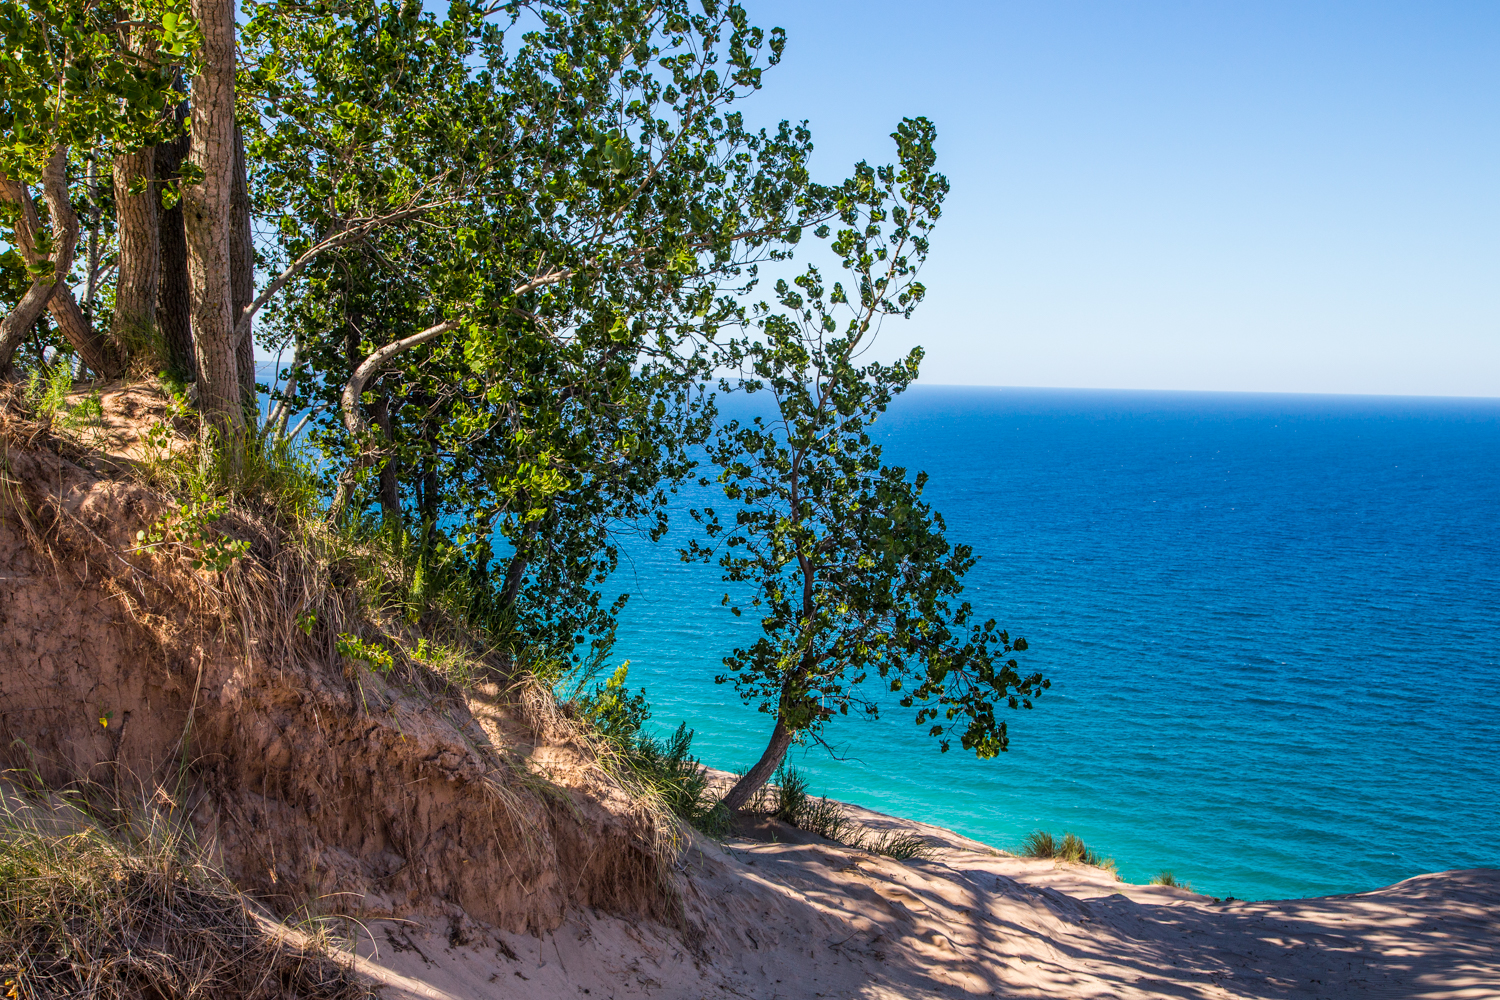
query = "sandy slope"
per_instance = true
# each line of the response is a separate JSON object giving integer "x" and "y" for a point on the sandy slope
{"x": 801, "y": 917}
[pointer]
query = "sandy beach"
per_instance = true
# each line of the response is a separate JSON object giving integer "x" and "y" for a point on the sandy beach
{"x": 778, "y": 913}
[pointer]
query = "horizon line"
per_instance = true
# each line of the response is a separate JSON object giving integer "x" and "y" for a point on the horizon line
{"x": 1216, "y": 392}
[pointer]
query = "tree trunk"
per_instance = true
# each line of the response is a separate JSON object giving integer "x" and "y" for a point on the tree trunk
{"x": 242, "y": 270}
{"x": 19, "y": 321}
{"x": 174, "y": 305}
{"x": 134, "y": 323}
{"x": 97, "y": 353}
{"x": 515, "y": 570}
{"x": 206, "y": 223}
{"x": 746, "y": 787}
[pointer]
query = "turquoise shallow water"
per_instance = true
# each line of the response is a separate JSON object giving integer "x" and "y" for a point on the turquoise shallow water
{"x": 1270, "y": 622}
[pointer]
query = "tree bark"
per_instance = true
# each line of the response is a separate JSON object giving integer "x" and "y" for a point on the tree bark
{"x": 19, "y": 321}
{"x": 242, "y": 271}
{"x": 97, "y": 353}
{"x": 134, "y": 322}
{"x": 174, "y": 304}
{"x": 354, "y": 420}
{"x": 781, "y": 739}
{"x": 206, "y": 223}
{"x": 139, "y": 259}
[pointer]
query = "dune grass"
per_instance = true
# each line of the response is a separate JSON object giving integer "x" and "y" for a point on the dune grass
{"x": 1071, "y": 848}
{"x": 828, "y": 819}
{"x": 90, "y": 912}
{"x": 1168, "y": 879}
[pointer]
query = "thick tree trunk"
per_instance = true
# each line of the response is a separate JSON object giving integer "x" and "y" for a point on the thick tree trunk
{"x": 174, "y": 304}
{"x": 139, "y": 259}
{"x": 134, "y": 323}
{"x": 242, "y": 270}
{"x": 206, "y": 212}
{"x": 746, "y": 787}
{"x": 97, "y": 353}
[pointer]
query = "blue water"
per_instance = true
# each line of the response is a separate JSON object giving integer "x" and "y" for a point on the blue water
{"x": 1270, "y": 622}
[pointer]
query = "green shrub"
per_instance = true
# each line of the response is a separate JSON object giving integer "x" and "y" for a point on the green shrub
{"x": 664, "y": 768}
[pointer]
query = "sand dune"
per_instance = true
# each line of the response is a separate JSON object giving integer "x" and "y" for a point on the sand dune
{"x": 778, "y": 913}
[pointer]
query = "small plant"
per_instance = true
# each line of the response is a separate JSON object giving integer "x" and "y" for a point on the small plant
{"x": 307, "y": 621}
{"x": 792, "y": 799}
{"x": 49, "y": 395}
{"x": 828, "y": 820}
{"x": 664, "y": 768}
{"x": 157, "y": 443}
{"x": 352, "y": 647}
{"x": 190, "y": 526}
{"x": 1170, "y": 880}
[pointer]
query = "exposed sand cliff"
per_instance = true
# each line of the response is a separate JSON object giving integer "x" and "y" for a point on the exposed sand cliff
{"x": 485, "y": 852}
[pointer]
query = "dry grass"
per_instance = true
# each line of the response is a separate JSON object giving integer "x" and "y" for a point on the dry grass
{"x": 91, "y": 913}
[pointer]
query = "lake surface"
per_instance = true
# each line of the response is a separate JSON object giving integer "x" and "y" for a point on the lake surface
{"x": 1270, "y": 623}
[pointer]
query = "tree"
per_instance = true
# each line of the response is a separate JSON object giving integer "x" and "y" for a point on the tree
{"x": 74, "y": 78}
{"x": 565, "y": 224}
{"x": 206, "y": 216}
{"x": 851, "y": 569}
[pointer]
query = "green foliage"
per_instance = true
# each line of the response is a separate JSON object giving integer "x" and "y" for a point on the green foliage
{"x": 67, "y": 79}
{"x": 663, "y": 768}
{"x": 48, "y": 394}
{"x": 1039, "y": 844}
{"x": 791, "y": 794}
{"x": 899, "y": 846}
{"x": 189, "y": 527}
{"x": 581, "y": 202}
{"x": 615, "y": 713}
{"x": 853, "y": 576}
{"x": 829, "y": 820}
{"x": 372, "y": 655}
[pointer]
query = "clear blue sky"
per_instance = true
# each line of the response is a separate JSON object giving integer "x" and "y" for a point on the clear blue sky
{"x": 1257, "y": 196}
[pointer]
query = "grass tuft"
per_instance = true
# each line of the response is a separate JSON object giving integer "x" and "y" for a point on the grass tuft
{"x": 1039, "y": 844}
{"x": 900, "y": 846}
{"x": 85, "y": 912}
{"x": 827, "y": 818}
{"x": 1072, "y": 849}
{"x": 1168, "y": 879}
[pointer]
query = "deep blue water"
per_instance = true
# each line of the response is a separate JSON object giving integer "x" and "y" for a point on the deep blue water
{"x": 1270, "y": 622}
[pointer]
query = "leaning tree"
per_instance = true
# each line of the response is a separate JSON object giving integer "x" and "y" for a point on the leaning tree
{"x": 857, "y": 586}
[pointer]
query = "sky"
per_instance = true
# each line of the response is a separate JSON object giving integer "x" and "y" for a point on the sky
{"x": 1254, "y": 196}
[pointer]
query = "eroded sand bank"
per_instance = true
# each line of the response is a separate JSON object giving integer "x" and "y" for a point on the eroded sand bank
{"x": 797, "y": 916}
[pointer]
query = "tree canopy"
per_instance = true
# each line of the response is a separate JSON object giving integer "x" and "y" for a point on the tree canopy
{"x": 503, "y": 252}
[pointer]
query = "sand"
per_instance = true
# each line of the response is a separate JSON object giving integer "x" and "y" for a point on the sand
{"x": 778, "y": 913}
